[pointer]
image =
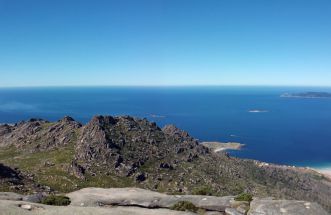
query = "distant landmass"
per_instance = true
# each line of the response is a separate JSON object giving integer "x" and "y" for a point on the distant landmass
{"x": 307, "y": 95}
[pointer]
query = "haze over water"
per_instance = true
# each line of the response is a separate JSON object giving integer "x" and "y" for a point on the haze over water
{"x": 293, "y": 131}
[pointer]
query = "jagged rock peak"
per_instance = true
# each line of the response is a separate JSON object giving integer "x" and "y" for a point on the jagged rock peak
{"x": 67, "y": 119}
{"x": 5, "y": 129}
{"x": 172, "y": 129}
{"x": 176, "y": 133}
{"x": 39, "y": 135}
{"x": 102, "y": 120}
{"x": 36, "y": 120}
{"x": 32, "y": 121}
{"x": 127, "y": 122}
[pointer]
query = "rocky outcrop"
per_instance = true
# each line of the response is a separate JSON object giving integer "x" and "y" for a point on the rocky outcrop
{"x": 21, "y": 133}
{"x": 126, "y": 143}
{"x": 95, "y": 143}
{"x": 176, "y": 133}
{"x": 10, "y": 179}
{"x": 38, "y": 135}
{"x": 61, "y": 133}
{"x": 5, "y": 129}
{"x": 15, "y": 180}
{"x": 9, "y": 174}
{"x": 77, "y": 170}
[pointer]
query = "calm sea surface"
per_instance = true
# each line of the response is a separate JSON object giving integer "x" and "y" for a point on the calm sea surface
{"x": 293, "y": 131}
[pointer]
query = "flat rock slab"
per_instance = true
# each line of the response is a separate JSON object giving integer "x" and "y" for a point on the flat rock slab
{"x": 285, "y": 207}
{"x": 23, "y": 208}
{"x": 144, "y": 198}
{"x": 232, "y": 211}
{"x": 214, "y": 213}
{"x": 10, "y": 196}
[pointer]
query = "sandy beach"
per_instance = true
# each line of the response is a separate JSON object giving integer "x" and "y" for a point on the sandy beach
{"x": 325, "y": 171}
{"x": 220, "y": 146}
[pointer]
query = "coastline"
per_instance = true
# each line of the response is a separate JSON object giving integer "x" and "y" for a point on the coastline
{"x": 323, "y": 169}
{"x": 326, "y": 171}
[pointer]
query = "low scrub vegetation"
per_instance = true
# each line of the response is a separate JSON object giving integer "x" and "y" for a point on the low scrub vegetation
{"x": 204, "y": 190}
{"x": 185, "y": 206}
{"x": 56, "y": 200}
{"x": 244, "y": 197}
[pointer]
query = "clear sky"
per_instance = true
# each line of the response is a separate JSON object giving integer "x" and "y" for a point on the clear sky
{"x": 165, "y": 42}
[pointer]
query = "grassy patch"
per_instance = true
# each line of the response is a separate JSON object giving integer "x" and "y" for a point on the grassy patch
{"x": 184, "y": 206}
{"x": 244, "y": 197}
{"x": 8, "y": 152}
{"x": 204, "y": 190}
{"x": 57, "y": 175}
{"x": 47, "y": 125}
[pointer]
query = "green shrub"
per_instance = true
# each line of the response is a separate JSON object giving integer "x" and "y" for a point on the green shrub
{"x": 56, "y": 200}
{"x": 184, "y": 206}
{"x": 244, "y": 197}
{"x": 205, "y": 190}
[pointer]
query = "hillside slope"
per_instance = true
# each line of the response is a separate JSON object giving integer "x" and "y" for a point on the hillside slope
{"x": 126, "y": 151}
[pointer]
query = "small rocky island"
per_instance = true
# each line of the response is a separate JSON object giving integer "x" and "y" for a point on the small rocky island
{"x": 307, "y": 95}
{"x": 136, "y": 167}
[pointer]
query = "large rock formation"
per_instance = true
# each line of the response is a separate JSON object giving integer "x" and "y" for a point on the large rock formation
{"x": 126, "y": 151}
{"x": 123, "y": 144}
{"x": 144, "y": 198}
{"x": 129, "y": 201}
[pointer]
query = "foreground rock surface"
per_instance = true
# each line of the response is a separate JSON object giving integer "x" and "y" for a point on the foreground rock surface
{"x": 20, "y": 208}
{"x": 11, "y": 196}
{"x": 145, "y": 198}
{"x": 93, "y": 197}
{"x": 135, "y": 201}
{"x": 284, "y": 207}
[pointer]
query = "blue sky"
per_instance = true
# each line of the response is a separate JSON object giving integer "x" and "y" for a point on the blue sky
{"x": 172, "y": 42}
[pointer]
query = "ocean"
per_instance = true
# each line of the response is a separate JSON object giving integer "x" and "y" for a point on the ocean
{"x": 291, "y": 131}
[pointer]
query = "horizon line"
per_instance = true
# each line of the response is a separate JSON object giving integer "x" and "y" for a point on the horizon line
{"x": 161, "y": 86}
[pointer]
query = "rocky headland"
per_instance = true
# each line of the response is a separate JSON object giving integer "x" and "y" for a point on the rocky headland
{"x": 47, "y": 158}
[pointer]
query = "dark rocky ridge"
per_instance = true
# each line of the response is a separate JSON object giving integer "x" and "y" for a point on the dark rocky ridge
{"x": 15, "y": 180}
{"x": 38, "y": 134}
{"x": 126, "y": 151}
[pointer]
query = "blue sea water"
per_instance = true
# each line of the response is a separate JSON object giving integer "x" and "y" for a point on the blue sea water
{"x": 293, "y": 131}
